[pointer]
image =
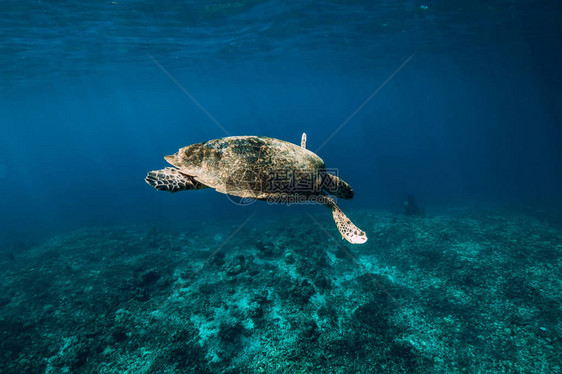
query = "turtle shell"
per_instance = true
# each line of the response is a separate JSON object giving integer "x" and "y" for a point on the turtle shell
{"x": 252, "y": 166}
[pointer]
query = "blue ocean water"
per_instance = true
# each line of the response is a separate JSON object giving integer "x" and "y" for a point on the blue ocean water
{"x": 455, "y": 102}
{"x": 85, "y": 112}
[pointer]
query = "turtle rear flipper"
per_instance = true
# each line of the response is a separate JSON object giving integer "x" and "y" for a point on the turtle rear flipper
{"x": 172, "y": 180}
{"x": 338, "y": 187}
{"x": 347, "y": 229}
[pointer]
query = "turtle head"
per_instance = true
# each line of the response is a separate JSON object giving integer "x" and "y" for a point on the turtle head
{"x": 174, "y": 159}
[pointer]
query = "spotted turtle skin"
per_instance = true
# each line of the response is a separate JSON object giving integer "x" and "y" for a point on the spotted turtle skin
{"x": 253, "y": 166}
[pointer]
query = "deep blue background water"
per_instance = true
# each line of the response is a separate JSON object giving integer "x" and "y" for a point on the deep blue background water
{"x": 85, "y": 112}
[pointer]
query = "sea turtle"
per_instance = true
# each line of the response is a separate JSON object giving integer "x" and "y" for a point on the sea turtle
{"x": 260, "y": 168}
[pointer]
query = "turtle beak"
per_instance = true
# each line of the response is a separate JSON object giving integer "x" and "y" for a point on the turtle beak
{"x": 170, "y": 159}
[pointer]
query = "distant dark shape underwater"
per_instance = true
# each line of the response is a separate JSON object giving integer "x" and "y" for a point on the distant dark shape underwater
{"x": 411, "y": 207}
{"x": 260, "y": 168}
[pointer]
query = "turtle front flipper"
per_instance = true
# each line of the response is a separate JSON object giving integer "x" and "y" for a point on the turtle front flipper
{"x": 348, "y": 230}
{"x": 172, "y": 180}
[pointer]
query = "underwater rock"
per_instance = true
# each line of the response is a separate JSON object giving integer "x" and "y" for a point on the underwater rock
{"x": 236, "y": 266}
{"x": 218, "y": 259}
{"x": 309, "y": 330}
{"x": 289, "y": 259}
{"x": 266, "y": 249}
{"x": 375, "y": 317}
{"x": 302, "y": 291}
{"x": 140, "y": 294}
{"x": 231, "y": 334}
{"x": 119, "y": 334}
{"x": 149, "y": 277}
{"x": 257, "y": 312}
{"x": 321, "y": 282}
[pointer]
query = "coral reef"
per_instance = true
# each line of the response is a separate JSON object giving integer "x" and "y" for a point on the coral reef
{"x": 468, "y": 292}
